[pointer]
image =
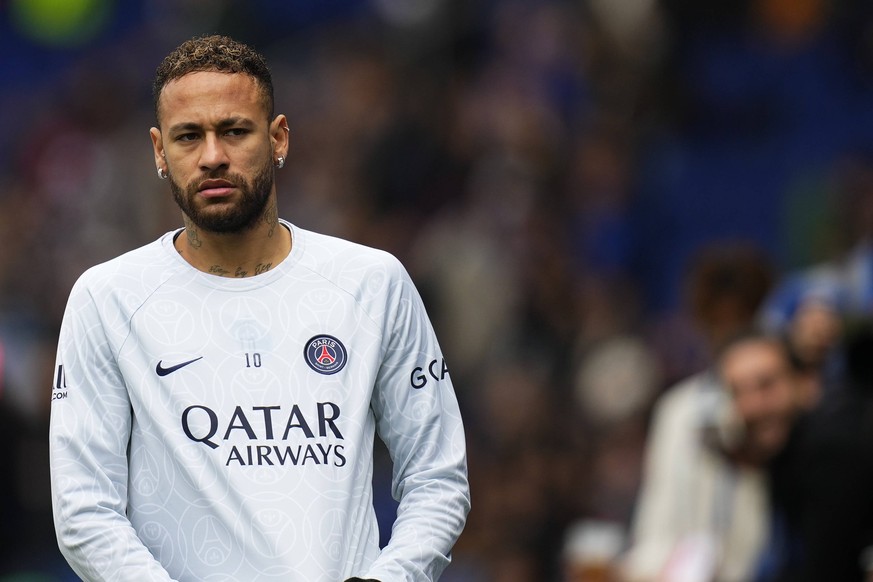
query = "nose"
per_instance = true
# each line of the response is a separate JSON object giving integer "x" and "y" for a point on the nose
{"x": 749, "y": 401}
{"x": 213, "y": 154}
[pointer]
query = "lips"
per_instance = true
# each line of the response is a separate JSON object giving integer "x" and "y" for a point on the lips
{"x": 215, "y": 188}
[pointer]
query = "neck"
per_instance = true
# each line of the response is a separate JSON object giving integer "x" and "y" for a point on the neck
{"x": 245, "y": 254}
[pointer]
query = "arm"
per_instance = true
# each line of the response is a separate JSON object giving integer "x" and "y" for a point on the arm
{"x": 662, "y": 500}
{"x": 89, "y": 433}
{"x": 418, "y": 418}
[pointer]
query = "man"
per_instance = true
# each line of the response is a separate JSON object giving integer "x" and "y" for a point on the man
{"x": 821, "y": 481}
{"x": 757, "y": 371}
{"x": 217, "y": 391}
{"x": 703, "y": 511}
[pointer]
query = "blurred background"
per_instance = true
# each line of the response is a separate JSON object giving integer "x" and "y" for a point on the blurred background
{"x": 549, "y": 171}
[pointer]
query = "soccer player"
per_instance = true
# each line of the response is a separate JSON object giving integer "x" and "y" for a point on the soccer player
{"x": 217, "y": 391}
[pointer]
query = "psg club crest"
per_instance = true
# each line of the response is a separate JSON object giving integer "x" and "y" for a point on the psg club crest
{"x": 325, "y": 354}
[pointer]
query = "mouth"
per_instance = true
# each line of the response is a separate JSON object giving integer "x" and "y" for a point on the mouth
{"x": 215, "y": 188}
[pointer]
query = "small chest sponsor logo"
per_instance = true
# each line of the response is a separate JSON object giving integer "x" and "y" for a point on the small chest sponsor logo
{"x": 325, "y": 354}
{"x": 162, "y": 370}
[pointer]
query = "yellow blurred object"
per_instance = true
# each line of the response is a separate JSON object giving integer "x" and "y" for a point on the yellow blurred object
{"x": 59, "y": 22}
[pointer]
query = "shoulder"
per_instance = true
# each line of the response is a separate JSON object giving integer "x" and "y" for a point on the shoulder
{"x": 373, "y": 279}
{"x": 696, "y": 396}
{"x": 322, "y": 248}
{"x": 143, "y": 268}
{"x": 347, "y": 264}
{"x": 689, "y": 389}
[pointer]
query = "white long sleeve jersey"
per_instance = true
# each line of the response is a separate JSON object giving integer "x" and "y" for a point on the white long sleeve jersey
{"x": 207, "y": 428}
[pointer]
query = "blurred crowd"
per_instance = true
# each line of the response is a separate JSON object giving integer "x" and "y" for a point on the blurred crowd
{"x": 594, "y": 197}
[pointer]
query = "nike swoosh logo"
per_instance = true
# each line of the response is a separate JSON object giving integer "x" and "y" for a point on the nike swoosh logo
{"x": 162, "y": 371}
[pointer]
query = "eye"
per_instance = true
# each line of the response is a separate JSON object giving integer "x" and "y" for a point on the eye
{"x": 236, "y": 131}
{"x": 186, "y": 137}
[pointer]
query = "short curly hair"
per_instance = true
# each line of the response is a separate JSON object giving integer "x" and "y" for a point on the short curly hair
{"x": 214, "y": 53}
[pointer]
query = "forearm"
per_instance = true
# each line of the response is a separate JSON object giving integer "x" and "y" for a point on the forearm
{"x": 108, "y": 553}
{"x": 89, "y": 502}
{"x": 431, "y": 515}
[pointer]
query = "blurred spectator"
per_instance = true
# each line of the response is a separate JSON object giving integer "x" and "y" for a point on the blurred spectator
{"x": 824, "y": 522}
{"x": 704, "y": 512}
{"x": 697, "y": 501}
{"x": 821, "y": 483}
{"x": 724, "y": 285}
{"x": 811, "y": 305}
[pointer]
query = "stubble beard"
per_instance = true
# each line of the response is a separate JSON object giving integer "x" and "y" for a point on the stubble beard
{"x": 235, "y": 219}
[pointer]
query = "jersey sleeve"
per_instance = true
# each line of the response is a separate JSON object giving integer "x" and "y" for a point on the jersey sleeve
{"x": 89, "y": 434}
{"x": 419, "y": 420}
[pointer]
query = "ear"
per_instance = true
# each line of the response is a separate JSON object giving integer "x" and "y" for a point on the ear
{"x": 279, "y": 136}
{"x": 158, "y": 147}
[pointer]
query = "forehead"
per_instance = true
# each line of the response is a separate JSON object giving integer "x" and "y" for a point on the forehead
{"x": 753, "y": 357}
{"x": 208, "y": 96}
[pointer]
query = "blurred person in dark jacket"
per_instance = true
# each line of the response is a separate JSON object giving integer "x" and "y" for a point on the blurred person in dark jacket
{"x": 822, "y": 483}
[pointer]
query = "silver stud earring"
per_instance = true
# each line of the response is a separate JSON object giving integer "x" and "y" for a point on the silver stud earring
{"x": 280, "y": 162}
{"x": 162, "y": 174}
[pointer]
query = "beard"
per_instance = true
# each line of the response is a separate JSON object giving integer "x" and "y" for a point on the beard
{"x": 236, "y": 218}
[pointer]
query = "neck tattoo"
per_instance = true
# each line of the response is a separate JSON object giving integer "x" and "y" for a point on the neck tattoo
{"x": 239, "y": 272}
{"x": 271, "y": 217}
{"x": 191, "y": 233}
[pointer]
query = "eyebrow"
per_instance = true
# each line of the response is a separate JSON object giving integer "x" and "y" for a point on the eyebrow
{"x": 222, "y": 124}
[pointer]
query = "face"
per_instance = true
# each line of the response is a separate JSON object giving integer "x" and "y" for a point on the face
{"x": 757, "y": 374}
{"x": 814, "y": 330}
{"x": 218, "y": 147}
